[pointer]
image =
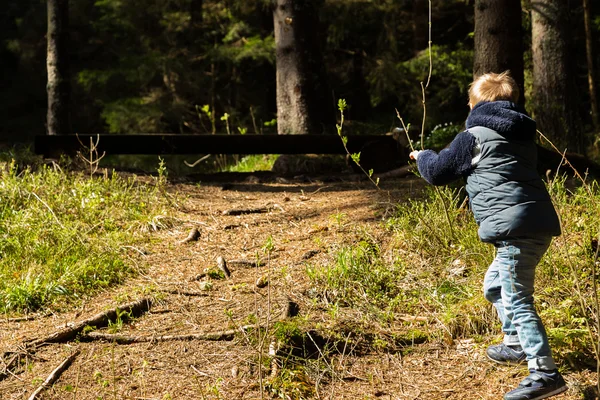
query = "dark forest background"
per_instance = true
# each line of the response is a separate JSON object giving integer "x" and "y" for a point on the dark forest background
{"x": 196, "y": 66}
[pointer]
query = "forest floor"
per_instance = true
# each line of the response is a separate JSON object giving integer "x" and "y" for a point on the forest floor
{"x": 301, "y": 222}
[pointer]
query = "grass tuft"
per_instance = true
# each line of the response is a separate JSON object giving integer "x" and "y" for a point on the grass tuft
{"x": 435, "y": 263}
{"x": 62, "y": 235}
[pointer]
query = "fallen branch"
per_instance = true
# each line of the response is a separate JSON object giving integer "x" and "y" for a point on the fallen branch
{"x": 191, "y": 237}
{"x": 12, "y": 364}
{"x": 54, "y": 375}
{"x": 126, "y": 339}
{"x": 99, "y": 320}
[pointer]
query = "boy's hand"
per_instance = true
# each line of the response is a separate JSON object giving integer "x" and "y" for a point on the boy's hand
{"x": 414, "y": 154}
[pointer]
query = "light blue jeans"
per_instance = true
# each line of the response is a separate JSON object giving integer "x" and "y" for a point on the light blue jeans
{"x": 508, "y": 285}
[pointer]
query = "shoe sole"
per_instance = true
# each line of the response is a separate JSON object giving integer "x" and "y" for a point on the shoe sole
{"x": 552, "y": 393}
{"x": 506, "y": 362}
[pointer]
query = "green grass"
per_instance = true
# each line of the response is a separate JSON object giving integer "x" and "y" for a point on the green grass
{"x": 63, "y": 235}
{"x": 254, "y": 162}
{"x": 435, "y": 266}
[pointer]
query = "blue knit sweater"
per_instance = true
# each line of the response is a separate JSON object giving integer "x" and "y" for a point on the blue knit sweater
{"x": 455, "y": 161}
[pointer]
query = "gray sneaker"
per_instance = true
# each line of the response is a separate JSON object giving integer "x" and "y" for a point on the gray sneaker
{"x": 538, "y": 385}
{"x": 506, "y": 355}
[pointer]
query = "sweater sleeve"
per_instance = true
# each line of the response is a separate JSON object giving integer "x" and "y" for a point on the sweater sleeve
{"x": 450, "y": 163}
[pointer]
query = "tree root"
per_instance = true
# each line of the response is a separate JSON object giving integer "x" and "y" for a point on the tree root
{"x": 246, "y": 263}
{"x": 258, "y": 210}
{"x": 99, "y": 320}
{"x": 184, "y": 292}
{"x": 126, "y": 339}
{"x": 191, "y": 237}
{"x": 223, "y": 267}
{"x": 54, "y": 375}
{"x": 242, "y": 211}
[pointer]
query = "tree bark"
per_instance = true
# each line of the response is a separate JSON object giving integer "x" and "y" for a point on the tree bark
{"x": 57, "y": 64}
{"x": 499, "y": 39}
{"x": 554, "y": 89}
{"x": 196, "y": 16}
{"x": 590, "y": 64}
{"x": 304, "y": 102}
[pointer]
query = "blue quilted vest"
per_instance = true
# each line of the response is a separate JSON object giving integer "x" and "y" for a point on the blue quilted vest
{"x": 507, "y": 196}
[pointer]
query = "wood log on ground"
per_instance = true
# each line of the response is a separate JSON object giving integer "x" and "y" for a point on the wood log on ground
{"x": 99, "y": 320}
{"x": 54, "y": 375}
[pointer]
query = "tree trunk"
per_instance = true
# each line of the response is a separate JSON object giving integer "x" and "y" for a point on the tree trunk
{"x": 554, "y": 89}
{"x": 57, "y": 63}
{"x": 590, "y": 64}
{"x": 196, "y": 16}
{"x": 499, "y": 39}
{"x": 304, "y": 102}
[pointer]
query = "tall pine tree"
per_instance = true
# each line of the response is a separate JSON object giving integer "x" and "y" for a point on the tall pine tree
{"x": 554, "y": 89}
{"x": 57, "y": 61}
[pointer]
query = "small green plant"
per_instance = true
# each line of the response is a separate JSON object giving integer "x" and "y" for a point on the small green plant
{"x": 342, "y": 105}
{"x": 162, "y": 172}
{"x": 205, "y": 109}
{"x": 441, "y": 135}
{"x": 339, "y": 218}
{"x": 254, "y": 162}
{"x": 225, "y": 118}
{"x": 117, "y": 325}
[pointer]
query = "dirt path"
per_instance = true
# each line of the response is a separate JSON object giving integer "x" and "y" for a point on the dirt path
{"x": 301, "y": 224}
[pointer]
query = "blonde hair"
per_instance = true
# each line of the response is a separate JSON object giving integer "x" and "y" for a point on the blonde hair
{"x": 493, "y": 87}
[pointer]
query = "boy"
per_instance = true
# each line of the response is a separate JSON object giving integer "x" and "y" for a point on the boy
{"x": 497, "y": 155}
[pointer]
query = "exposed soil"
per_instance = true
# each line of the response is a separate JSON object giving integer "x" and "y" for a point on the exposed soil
{"x": 303, "y": 222}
